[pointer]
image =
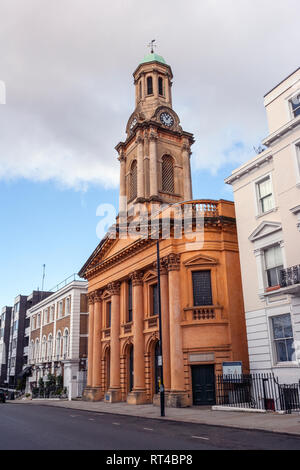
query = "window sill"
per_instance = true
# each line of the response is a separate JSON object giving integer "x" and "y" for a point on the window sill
{"x": 258, "y": 216}
{"x": 282, "y": 365}
{"x": 273, "y": 288}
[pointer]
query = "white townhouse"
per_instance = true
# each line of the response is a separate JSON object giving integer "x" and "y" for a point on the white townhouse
{"x": 267, "y": 202}
{"x": 59, "y": 336}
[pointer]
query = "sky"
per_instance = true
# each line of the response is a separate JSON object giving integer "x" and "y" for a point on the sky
{"x": 66, "y": 67}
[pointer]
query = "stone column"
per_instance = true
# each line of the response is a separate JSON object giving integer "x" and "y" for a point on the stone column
{"x": 165, "y": 325}
{"x": 122, "y": 193}
{"x": 90, "y": 340}
{"x": 187, "y": 183}
{"x": 97, "y": 347}
{"x": 138, "y": 394}
{"x": 177, "y": 396}
{"x": 140, "y": 169}
{"x": 114, "y": 392}
{"x": 153, "y": 166}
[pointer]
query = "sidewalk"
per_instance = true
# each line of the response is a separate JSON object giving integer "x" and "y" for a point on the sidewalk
{"x": 272, "y": 422}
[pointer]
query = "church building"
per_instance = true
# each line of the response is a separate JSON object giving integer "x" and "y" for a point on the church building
{"x": 202, "y": 313}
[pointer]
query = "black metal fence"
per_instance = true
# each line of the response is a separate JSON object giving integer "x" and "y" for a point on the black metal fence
{"x": 49, "y": 392}
{"x": 257, "y": 391}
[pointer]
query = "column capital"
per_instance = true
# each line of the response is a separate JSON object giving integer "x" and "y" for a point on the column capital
{"x": 114, "y": 288}
{"x": 172, "y": 262}
{"x": 91, "y": 297}
{"x": 163, "y": 266}
{"x": 136, "y": 278}
{"x": 153, "y": 137}
{"x": 139, "y": 139}
{"x": 98, "y": 295}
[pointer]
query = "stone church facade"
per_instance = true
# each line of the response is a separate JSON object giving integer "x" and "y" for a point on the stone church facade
{"x": 202, "y": 313}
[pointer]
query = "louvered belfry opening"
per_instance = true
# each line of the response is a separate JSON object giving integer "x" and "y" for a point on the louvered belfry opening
{"x": 167, "y": 174}
{"x": 133, "y": 180}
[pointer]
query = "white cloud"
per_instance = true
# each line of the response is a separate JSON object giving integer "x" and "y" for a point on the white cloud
{"x": 67, "y": 66}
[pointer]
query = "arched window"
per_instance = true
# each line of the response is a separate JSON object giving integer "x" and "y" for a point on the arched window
{"x": 167, "y": 174}
{"x": 49, "y": 347}
{"x": 44, "y": 344}
{"x": 133, "y": 180}
{"x": 149, "y": 86}
{"x": 160, "y": 86}
{"x": 66, "y": 343}
{"x": 58, "y": 344}
{"x": 31, "y": 351}
{"x": 36, "y": 349}
{"x": 140, "y": 89}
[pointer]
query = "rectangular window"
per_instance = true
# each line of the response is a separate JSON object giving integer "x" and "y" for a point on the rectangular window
{"x": 160, "y": 86}
{"x": 295, "y": 105}
{"x": 265, "y": 195}
{"x": 108, "y": 314}
{"x": 283, "y": 338}
{"x": 129, "y": 312}
{"x": 202, "y": 288}
{"x": 154, "y": 299}
{"x": 273, "y": 265}
{"x": 298, "y": 157}
{"x": 68, "y": 303}
{"x": 60, "y": 309}
{"x": 52, "y": 313}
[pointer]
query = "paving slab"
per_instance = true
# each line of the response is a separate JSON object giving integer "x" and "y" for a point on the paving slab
{"x": 270, "y": 421}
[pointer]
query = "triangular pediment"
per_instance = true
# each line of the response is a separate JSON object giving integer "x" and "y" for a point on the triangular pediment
{"x": 149, "y": 275}
{"x": 264, "y": 229}
{"x": 201, "y": 260}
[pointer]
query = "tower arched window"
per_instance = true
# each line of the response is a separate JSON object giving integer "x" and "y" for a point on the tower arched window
{"x": 149, "y": 86}
{"x": 133, "y": 180}
{"x": 140, "y": 89}
{"x": 160, "y": 86}
{"x": 167, "y": 174}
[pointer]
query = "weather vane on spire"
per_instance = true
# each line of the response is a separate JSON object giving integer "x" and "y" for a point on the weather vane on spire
{"x": 152, "y": 45}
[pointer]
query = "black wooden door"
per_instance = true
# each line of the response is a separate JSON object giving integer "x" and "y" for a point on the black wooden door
{"x": 203, "y": 382}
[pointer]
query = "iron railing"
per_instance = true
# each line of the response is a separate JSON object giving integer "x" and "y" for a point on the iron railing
{"x": 290, "y": 276}
{"x": 257, "y": 391}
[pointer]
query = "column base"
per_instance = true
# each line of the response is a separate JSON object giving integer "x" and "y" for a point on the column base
{"x": 113, "y": 395}
{"x": 137, "y": 397}
{"x": 173, "y": 400}
{"x": 92, "y": 394}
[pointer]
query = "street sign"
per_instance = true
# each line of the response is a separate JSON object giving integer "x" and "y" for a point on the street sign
{"x": 232, "y": 368}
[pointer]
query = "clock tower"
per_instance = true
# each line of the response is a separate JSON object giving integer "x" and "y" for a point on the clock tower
{"x": 155, "y": 157}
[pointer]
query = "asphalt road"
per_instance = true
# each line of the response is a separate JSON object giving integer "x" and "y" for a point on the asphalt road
{"x": 27, "y": 427}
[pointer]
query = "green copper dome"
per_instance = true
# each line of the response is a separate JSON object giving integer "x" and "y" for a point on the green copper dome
{"x": 153, "y": 57}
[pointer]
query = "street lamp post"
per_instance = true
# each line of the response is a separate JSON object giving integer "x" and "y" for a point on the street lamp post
{"x": 160, "y": 361}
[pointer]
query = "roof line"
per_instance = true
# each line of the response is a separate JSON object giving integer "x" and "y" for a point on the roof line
{"x": 282, "y": 81}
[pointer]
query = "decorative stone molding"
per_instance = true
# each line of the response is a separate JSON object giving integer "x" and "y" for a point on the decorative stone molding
{"x": 114, "y": 288}
{"x": 172, "y": 262}
{"x": 185, "y": 148}
{"x": 137, "y": 278}
{"x": 122, "y": 157}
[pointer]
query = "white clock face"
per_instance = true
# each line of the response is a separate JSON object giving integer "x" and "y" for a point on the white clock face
{"x": 133, "y": 123}
{"x": 167, "y": 119}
